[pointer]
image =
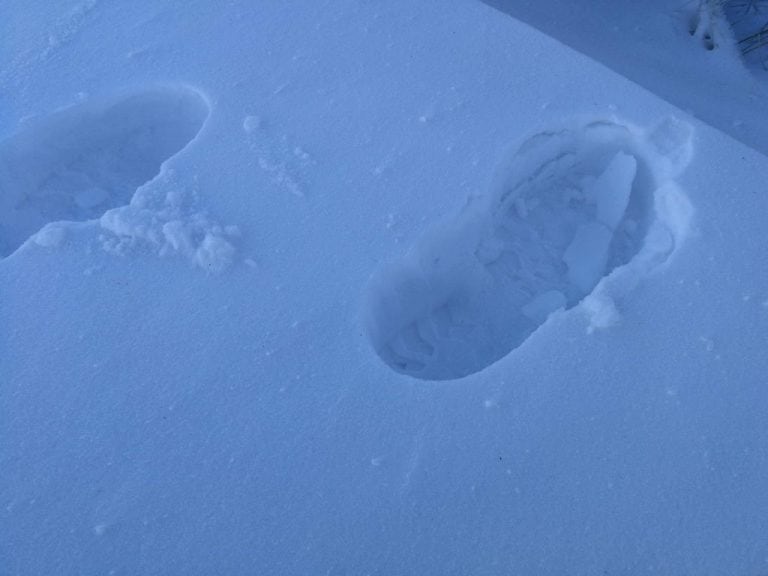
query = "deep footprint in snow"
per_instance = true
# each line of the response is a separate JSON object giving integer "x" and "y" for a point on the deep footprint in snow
{"x": 77, "y": 163}
{"x": 568, "y": 208}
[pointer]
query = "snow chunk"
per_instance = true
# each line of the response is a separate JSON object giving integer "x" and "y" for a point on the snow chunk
{"x": 602, "y": 312}
{"x": 587, "y": 255}
{"x": 178, "y": 237}
{"x": 612, "y": 189}
{"x": 214, "y": 254}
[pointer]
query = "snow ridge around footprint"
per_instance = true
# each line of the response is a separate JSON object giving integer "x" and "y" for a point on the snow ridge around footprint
{"x": 77, "y": 163}
{"x": 583, "y": 211}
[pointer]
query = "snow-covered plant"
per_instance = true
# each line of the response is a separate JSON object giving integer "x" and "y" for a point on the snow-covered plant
{"x": 749, "y": 19}
{"x": 746, "y": 21}
{"x": 707, "y": 23}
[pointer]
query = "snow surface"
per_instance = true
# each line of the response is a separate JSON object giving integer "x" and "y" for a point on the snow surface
{"x": 685, "y": 51}
{"x": 353, "y": 287}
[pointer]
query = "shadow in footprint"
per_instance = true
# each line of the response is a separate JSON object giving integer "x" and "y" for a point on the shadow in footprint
{"x": 567, "y": 208}
{"x": 77, "y": 163}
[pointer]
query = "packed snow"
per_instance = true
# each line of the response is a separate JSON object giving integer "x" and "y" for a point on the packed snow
{"x": 348, "y": 288}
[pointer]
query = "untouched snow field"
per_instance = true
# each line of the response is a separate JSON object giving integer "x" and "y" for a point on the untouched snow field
{"x": 388, "y": 288}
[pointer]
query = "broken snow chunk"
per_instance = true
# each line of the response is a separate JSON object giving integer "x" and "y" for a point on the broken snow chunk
{"x": 587, "y": 255}
{"x": 214, "y": 254}
{"x": 539, "y": 309}
{"x": 602, "y": 312}
{"x": 612, "y": 189}
{"x": 178, "y": 237}
{"x": 130, "y": 222}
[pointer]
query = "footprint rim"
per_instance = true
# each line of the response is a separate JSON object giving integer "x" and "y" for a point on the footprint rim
{"x": 653, "y": 169}
{"x": 88, "y": 114}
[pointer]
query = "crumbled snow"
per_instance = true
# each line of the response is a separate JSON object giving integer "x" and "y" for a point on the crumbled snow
{"x": 164, "y": 217}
